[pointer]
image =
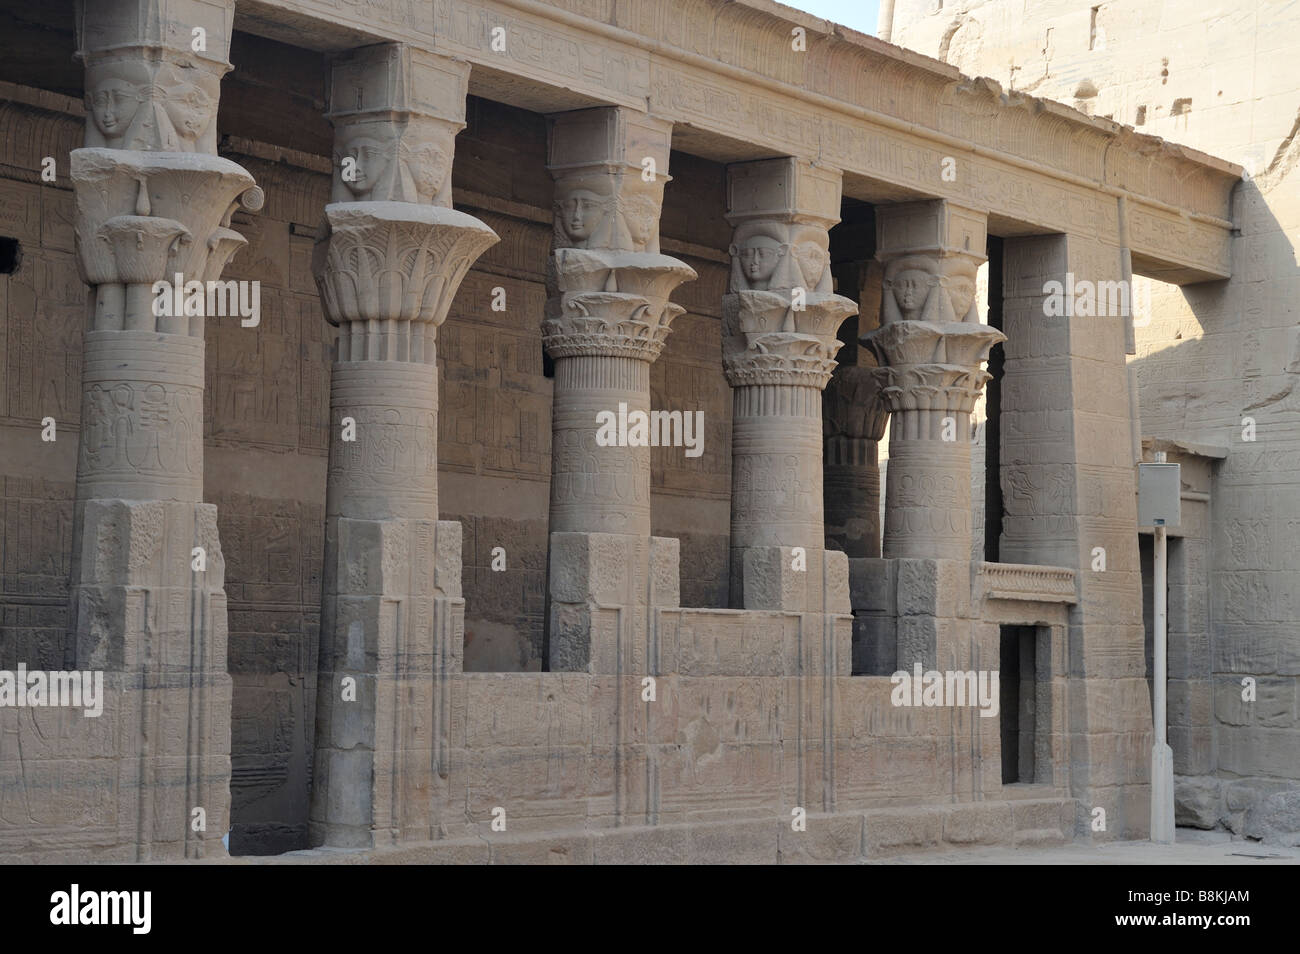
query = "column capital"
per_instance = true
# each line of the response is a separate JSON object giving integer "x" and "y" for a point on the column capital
{"x": 781, "y": 313}
{"x": 396, "y": 111}
{"x": 398, "y": 263}
{"x": 393, "y": 251}
{"x": 610, "y": 284}
{"x": 930, "y": 342}
{"x": 613, "y": 303}
{"x": 931, "y": 346}
{"x": 610, "y": 165}
{"x": 153, "y": 72}
{"x": 148, "y": 216}
{"x": 853, "y": 406}
{"x": 931, "y": 367}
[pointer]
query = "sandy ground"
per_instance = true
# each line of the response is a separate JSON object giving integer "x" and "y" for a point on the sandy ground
{"x": 1190, "y": 847}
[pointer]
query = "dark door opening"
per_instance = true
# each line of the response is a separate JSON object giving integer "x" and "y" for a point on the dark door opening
{"x": 1018, "y": 702}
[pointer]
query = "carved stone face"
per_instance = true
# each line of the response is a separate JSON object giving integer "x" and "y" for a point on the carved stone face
{"x": 812, "y": 259}
{"x": 911, "y": 287}
{"x": 962, "y": 292}
{"x": 428, "y": 169}
{"x": 759, "y": 257}
{"x": 580, "y": 213}
{"x": 371, "y": 158}
{"x": 640, "y": 213}
{"x": 113, "y": 104}
{"x": 190, "y": 109}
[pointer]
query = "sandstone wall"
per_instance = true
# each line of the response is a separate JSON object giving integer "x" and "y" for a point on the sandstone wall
{"x": 1220, "y": 77}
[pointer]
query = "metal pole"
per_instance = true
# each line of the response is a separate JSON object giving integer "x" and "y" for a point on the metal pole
{"x": 1162, "y": 756}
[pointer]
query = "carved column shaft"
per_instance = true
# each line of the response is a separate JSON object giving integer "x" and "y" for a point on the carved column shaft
{"x": 778, "y": 347}
{"x": 390, "y": 259}
{"x": 613, "y": 496}
{"x": 931, "y": 346}
{"x": 154, "y": 208}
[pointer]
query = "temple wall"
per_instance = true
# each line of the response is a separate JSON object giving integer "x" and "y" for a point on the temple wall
{"x": 439, "y": 585}
{"x": 1220, "y": 78}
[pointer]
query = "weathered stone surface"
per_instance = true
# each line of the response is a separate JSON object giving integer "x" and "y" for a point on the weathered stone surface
{"x": 752, "y": 710}
{"x": 392, "y": 620}
{"x": 1198, "y": 802}
{"x": 1276, "y": 819}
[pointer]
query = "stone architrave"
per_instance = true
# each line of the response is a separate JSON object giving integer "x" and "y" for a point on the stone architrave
{"x": 606, "y": 322}
{"x": 779, "y": 318}
{"x": 931, "y": 348}
{"x": 391, "y": 256}
{"x": 154, "y": 205}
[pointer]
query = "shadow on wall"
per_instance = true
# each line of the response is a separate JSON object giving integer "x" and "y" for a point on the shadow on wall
{"x": 1219, "y": 363}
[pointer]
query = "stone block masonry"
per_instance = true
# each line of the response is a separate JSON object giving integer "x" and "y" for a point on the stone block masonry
{"x": 470, "y": 260}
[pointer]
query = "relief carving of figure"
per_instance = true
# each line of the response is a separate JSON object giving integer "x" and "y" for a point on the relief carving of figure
{"x": 388, "y": 444}
{"x": 123, "y": 414}
{"x": 97, "y": 427}
{"x": 641, "y": 218}
{"x": 191, "y": 111}
{"x": 369, "y": 166}
{"x": 961, "y": 293}
{"x": 426, "y": 444}
{"x": 149, "y": 106}
{"x": 755, "y": 261}
{"x": 426, "y": 165}
{"x": 813, "y": 261}
{"x": 580, "y": 214}
{"x": 113, "y": 105}
{"x": 906, "y": 288}
{"x": 155, "y": 429}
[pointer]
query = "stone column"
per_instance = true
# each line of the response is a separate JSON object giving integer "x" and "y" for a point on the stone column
{"x": 855, "y": 419}
{"x": 778, "y": 350}
{"x": 931, "y": 346}
{"x": 154, "y": 205}
{"x": 391, "y": 256}
{"x": 606, "y": 322}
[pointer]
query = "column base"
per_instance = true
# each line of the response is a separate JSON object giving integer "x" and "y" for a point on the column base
{"x": 149, "y": 612}
{"x": 604, "y": 588}
{"x": 393, "y": 632}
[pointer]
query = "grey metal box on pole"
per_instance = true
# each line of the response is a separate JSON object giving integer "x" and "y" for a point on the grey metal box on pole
{"x": 1159, "y": 495}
